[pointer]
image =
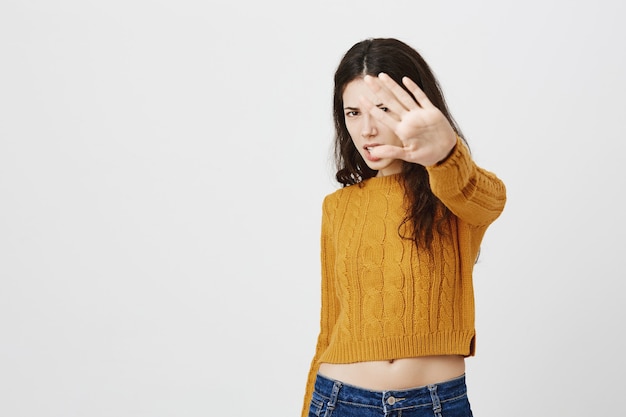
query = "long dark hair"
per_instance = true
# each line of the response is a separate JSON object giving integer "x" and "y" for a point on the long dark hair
{"x": 397, "y": 59}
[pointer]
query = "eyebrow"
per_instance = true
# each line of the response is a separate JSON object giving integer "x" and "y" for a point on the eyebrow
{"x": 356, "y": 108}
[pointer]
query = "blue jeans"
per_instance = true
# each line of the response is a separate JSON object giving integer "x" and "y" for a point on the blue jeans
{"x": 334, "y": 398}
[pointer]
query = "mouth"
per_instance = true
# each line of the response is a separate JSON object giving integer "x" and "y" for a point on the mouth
{"x": 368, "y": 147}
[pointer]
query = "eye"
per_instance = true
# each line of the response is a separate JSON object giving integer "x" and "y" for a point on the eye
{"x": 352, "y": 113}
{"x": 383, "y": 108}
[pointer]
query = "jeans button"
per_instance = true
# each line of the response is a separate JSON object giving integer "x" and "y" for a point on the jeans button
{"x": 391, "y": 400}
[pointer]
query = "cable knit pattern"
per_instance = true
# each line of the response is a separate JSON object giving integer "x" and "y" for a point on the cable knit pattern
{"x": 381, "y": 297}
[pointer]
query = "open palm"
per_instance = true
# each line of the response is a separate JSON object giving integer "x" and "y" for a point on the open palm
{"x": 424, "y": 131}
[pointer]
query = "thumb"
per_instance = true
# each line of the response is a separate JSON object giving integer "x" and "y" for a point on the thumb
{"x": 387, "y": 152}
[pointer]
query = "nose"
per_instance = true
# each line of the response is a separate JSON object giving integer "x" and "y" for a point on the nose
{"x": 368, "y": 129}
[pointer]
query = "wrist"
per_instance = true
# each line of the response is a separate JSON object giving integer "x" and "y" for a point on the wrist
{"x": 450, "y": 152}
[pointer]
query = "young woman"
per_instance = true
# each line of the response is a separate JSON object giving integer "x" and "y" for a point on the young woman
{"x": 399, "y": 242}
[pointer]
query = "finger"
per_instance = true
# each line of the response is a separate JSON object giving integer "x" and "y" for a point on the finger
{"x": 420, "y": 156}
{"x": 389, "y": 100}
{"x": 420, "y": 96}
{"x": 366, "y": 104}
{"x": 388, "y": 152}
{"x": 400, "y": 94}
{"x": 378, "y": 113}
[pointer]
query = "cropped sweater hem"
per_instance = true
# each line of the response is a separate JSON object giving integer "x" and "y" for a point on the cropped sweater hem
{"x": 428, "y": 344}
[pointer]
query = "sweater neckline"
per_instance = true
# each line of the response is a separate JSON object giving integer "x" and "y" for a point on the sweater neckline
{"x": 385, "y": 181}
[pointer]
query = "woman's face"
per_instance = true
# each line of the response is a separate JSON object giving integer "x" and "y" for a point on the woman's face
{"x": 367, "y": 132}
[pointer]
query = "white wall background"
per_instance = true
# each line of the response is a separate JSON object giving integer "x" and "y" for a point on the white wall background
{"x": 162, "y": 167}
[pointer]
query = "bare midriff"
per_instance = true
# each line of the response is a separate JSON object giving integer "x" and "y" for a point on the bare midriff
{"x": 396, "y": 374}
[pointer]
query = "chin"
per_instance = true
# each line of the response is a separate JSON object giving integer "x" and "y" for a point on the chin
{"x": 379, "y": 165}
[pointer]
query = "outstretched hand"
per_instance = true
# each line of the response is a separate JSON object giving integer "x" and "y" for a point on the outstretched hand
{"x": 424, "y": 131}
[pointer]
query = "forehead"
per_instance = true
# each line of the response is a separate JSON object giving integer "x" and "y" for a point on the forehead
{"x": 355, "y": 89}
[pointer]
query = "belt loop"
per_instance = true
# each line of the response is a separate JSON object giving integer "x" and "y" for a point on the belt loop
{"x": 435, "y": 398}
{"x": 333, "y": 397}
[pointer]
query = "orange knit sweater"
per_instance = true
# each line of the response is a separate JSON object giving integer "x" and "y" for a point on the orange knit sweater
{"x": 383, "y": 299}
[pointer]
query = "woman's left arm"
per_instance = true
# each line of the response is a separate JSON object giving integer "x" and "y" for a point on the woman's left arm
{"x": 473, "y": 194}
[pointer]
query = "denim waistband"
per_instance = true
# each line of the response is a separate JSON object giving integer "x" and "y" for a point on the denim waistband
{"x": 392, "y": 399}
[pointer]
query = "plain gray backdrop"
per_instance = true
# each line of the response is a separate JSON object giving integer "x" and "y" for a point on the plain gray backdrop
{"x": 162, "y": 168}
